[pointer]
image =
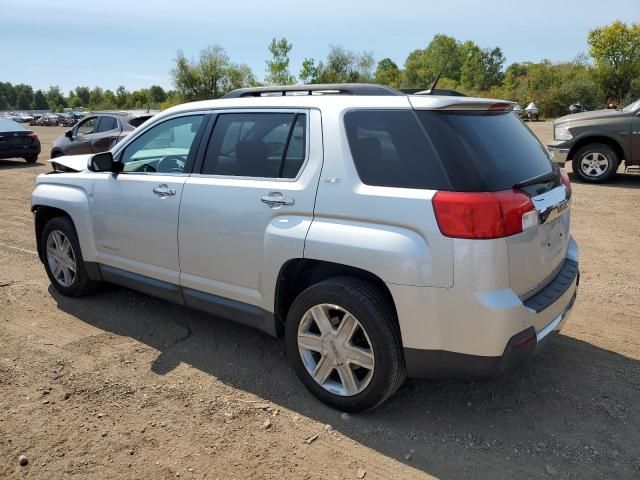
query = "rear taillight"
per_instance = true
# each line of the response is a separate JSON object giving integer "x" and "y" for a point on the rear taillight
{"x": 564, "y": 178}
{"x": 33, "y": 136}
{"x": 484, "y": 215}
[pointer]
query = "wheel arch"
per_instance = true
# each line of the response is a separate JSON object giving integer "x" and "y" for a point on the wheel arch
{"x": 298, "y": 274}
{"x": 611, "y": 142}
{"x": 42, "y": 215}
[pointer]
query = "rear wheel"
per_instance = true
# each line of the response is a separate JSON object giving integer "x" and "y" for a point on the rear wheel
{"x": 63, "y": 258}
{"x": 344, "y": 343}
{"x": 31, "y": 159}
{"x": 595, "y": 163}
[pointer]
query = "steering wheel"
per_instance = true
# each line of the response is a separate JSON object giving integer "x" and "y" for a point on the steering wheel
{"x": 170, "y": 164}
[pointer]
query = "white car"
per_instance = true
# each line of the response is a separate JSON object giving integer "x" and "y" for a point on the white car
{"x": 381, "y": 234}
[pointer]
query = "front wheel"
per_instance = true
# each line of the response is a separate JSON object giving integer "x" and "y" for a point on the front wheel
{"x": 63, "y": 258}
{"x": 595, "y": 163}
{"x": 343, "y": 341}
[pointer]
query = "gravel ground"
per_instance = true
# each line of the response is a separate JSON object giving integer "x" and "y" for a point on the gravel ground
{"x": 121, "y": 385}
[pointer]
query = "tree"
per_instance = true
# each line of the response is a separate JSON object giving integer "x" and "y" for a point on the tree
{"x": 481, "y": 69}
{"x": 310, "y": 71}
{"x": 4, "y": 103}
{"x": 388, "y": 73}
{"x": 211, "y": 76}
{"x": 616, "y": 51}
{"x": 82, "y": 97}
{"x": 40, "y": 101}
{"x": 96, "y": 97}
{"x": 441, "y": 55}
{"x": 122, "y": 97}
{"x": 157, "y": 94}
{"x": 24, "y": 96}
{"x": 55, "y": 98}
{"x": 278, "y": 66}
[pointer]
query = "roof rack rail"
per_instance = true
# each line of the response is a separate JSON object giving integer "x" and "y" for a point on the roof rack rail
{"x": 366, "y": 89}
{"x": 435, "y": 91}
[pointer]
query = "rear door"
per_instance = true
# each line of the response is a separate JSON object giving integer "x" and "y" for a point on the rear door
{"x": 249, "y": 207}
{"x": 106, "y": 134}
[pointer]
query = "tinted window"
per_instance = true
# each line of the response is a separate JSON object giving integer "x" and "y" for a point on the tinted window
{"x": 163, "y": 148}
{"x": 485, "y": 151}
{"x": 137, "y": 121}
{"x": 107, "y": 124}
{"x": 265, "y": 145}
{"x": 390, "y": 149}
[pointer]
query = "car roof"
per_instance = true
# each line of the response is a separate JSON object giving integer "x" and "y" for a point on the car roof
{"x": 280, "y": 97}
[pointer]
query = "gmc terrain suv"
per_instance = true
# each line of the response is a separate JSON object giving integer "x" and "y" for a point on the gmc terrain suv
{"x": 597, "y": 142}
{"x": 381, "y": 234}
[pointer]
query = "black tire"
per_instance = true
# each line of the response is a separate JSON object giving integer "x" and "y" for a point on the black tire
{"x": 376, "y": 316}
{"x": 56, "y": 153}
{"x": 595, "y": 150}
{"x": 81, "y": 284}
{"x": 31, "y": 159}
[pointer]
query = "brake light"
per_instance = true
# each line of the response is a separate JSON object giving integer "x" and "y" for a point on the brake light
{"x": 33, "y": 136}
{"x": 564, "y": 178}
{"x": 484, "y": 215}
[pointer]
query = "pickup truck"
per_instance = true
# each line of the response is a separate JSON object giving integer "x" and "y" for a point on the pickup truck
{"x": 598, "y": 142}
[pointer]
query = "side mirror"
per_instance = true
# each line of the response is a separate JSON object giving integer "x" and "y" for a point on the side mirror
{"x": 104, "y": 162}
{"x": 69, "y": 134}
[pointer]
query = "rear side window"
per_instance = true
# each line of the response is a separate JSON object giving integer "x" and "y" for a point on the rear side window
{"x": 485, "y": 151}
{"x": 137, "y": 121}
{"x": 107, "y": 124}
{"x": 263, "y": 145}
{"x": 390, "y": 149}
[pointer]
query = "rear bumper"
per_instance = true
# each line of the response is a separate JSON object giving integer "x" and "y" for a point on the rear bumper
{"x": 20, "y": 151}
{"x": 438, "y": 364}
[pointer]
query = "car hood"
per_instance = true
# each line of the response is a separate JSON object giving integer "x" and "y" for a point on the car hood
{"x": 76, "y": 163}
{"x": 596, "y": 114}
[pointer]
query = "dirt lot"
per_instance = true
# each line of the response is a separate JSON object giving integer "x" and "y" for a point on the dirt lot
{"x": 120, "y": 385}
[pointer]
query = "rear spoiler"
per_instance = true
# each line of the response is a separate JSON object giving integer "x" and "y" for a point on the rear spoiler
{"x": 428, "y": 102}
{"x": 433, "y": 91}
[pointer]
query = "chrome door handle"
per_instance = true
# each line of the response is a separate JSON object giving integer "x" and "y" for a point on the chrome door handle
{"x": 163, "y": 190}
{"x": 276, "y": 200}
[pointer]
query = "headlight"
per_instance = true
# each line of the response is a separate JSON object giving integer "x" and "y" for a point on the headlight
{"x": 562, "y": 133}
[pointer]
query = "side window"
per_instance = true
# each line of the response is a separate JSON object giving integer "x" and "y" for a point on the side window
{"x": 106, "y": 124}
{"x": 164, "y": 148}
{"x": 262, "y": 145}
{"x": 390, "y": 149}
{"x": 87, "y": 126}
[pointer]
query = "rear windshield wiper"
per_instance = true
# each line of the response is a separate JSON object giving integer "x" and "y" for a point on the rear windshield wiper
{"x": 545, "y": 177}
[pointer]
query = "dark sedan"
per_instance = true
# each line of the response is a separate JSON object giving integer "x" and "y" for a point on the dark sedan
{"x": 98, "y": 132}
{"x": 18, "y": 142}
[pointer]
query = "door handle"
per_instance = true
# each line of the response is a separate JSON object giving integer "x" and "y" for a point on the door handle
{"x": 163, "y": 190}
{"x": 276, "y": 200}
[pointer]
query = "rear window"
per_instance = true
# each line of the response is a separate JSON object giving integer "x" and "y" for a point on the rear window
{"x": 137, "y": 121}
{"x": 444, "y": 150}
{"x": 485, "y": 151}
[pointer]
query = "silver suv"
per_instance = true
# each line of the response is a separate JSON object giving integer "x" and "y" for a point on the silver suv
{"x": 381, "y": 234}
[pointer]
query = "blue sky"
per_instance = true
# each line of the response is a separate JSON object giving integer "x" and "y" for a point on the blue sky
{"x": 133, "y": 42}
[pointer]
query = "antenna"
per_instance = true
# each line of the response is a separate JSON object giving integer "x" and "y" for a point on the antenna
{"x": 446, "y": 63}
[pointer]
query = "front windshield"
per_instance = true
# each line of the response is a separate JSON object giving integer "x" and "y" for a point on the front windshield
{"x": 632, "y": 107}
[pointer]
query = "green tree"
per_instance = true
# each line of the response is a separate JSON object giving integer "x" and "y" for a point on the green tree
{"x": 278, "y": 65}
{"x": 40, "y": 101}
{"x": 616, "y": 51}
{"x": 96, "y": 98}
{"x": 481, "y": 68}
{"x": 82, "y": 97}
{"x": 211, "y": 76}
{"x": 388, "y": 73}
{"x": 55, "y": 98}
{"x": 122, "y": 97}
{"x": 4, "y": 103}
{"x": 157, "y": 95}
{"x": 422, "y": 66}
{"x": 309, "y": 71}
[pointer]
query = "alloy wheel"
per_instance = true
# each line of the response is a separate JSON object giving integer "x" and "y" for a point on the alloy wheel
{"x": 61, "y": 258}
{"x": 336, "y": 350}
{"x": 594, "y": 164}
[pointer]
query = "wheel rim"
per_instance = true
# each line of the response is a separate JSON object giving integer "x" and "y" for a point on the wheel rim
{"x": 61, "y": 258}
{"x": 594, "y": 164}
{"x": 336, "y": 350}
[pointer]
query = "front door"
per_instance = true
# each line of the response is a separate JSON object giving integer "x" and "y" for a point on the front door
{"x": 250, "y": 206}
{"x": 81, "y": 137}
{"x": 135, "y": 214}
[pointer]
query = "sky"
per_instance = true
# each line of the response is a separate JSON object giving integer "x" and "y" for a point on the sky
{"x": 134, "y": 42}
